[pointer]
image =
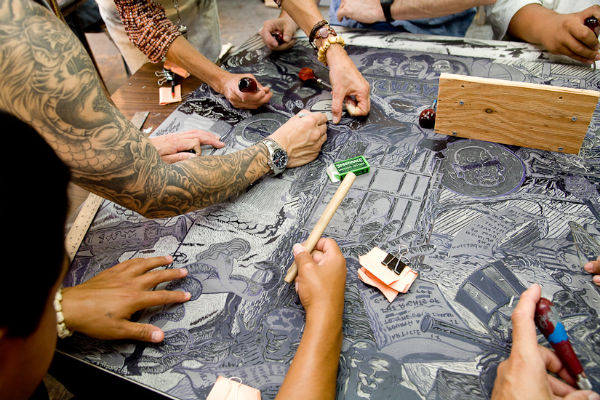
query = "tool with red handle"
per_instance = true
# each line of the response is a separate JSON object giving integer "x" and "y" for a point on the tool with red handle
{"x": 548, "y": 323}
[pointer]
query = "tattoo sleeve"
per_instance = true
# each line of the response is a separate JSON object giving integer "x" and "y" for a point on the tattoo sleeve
{"x": 49, "y": 82}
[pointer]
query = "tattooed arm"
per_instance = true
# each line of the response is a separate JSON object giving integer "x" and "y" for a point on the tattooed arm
{"x": 48, "y": 80}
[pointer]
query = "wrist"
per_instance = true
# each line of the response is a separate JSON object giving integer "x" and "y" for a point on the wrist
{"x": 335, "y": 52}
{"x": 61, "y": 325}
{"x": 386, "y": 11}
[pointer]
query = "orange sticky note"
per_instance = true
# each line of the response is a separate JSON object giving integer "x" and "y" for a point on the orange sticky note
{"x": 165, "y": 95}
{"x": 231, "y": 389}
{"x": 171, "y": 66}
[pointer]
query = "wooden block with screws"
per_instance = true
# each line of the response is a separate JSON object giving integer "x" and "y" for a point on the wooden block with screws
{"x": 515, "y": 113}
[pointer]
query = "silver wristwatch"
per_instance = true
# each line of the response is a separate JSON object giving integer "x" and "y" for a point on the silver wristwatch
{"x": 278, "y": 157}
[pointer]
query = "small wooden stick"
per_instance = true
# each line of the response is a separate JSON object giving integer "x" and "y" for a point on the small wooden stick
{"x": 321, "y": 225}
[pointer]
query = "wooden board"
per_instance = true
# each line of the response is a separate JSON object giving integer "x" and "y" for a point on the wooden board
{"x": 516, "y": 113}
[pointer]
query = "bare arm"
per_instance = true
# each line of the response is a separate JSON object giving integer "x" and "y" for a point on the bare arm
{"x": 182, "y": 53}
{"x": 349, "y": 86}
{"x": 320, "y": 284}
{"x": 49, "y": 81}
{"x": 559, "y": 33}
{"x": 417, "y": 9}
{"x": 370, "y": 11}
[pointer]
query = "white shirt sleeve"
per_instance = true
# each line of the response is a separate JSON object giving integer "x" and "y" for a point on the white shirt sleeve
{"x": 500, "y": 14}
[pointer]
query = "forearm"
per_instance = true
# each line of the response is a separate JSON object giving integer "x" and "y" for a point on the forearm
{"x": 182, "y": 53}
{"x": 50, "y": 82}
{"x": 313, "y": 372}
{"x": 285, "y": 15}
{"x": 305, "y": 13}
{"x": 417, "y": 9}
{"x": 529, "y": 23}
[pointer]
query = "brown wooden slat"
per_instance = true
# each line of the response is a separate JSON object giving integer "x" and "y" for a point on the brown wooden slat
{"x": 516, "y": 113}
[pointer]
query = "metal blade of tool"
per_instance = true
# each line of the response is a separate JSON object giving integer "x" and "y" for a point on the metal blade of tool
{"x": 90, "y": 206}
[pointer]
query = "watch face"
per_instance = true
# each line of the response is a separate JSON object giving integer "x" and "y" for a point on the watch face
{"x": 280, "y": 158}
{"x": 322, "y": 33}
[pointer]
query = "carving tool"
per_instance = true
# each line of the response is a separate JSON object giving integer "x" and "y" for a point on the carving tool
{"x": 548, "y": 323}
{"x": 247, "y": 85}
{"x": 90, "y": 206}
{"x": 307, "y": 74}
{"x": 319, "y": 228}
{"x": 594, "y": 25}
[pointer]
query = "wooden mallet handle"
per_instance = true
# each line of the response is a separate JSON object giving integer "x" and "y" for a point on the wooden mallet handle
{"x": 321, "y": 225}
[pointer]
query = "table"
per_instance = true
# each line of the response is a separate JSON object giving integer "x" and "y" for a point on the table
{"x": 479, "y": 221}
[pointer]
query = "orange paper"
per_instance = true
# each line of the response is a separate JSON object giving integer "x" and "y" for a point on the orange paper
{"x": 374, "y": 273}
{"x": 171, "y": 66}
{"x": 231, "y": 389}
{"x": 370, "y": 279}
{"x": 165, "y": 96}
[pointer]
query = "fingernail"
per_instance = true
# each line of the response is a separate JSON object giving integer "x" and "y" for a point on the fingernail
{"x": 298, "y": 248}
{"x": 187, "y": 295}
{"x": 296, "y": 286}
{"x": 589, "y": 267}
{"x": 596, "y": 279}
{"x": 286, "y": 38}
{"x": 169, "y": 259}
{"x": 593, "y": 396}
{"x": 183, "y": 272}
{"x": 156, "y": 336}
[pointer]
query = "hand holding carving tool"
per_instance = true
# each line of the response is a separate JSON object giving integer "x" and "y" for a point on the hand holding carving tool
{"x": 247, "y": 85}
{"x": 548, "y": 323}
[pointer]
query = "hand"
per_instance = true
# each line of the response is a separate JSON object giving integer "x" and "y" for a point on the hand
{"x": 365, "y": 11}
{"x": 524, "y": 374}
{"x": 321, "y": 278}
{"x": 284, "y": 25}
{"x": 240, "y": 99}
{"x": 348, "y": 84}
{"x": 101, "y": 307}
{"x": 593, "y": 267}
{"x": 302, "y": 137}
{"x": 566, "y": 34}
{"x": 173, "y": 147}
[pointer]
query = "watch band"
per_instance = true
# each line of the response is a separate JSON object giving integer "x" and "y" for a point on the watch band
{"x": 278, "y": 157}
{"x": 386, "y": 5}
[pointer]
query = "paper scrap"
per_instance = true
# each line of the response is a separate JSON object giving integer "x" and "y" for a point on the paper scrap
{"x": 375, "y": 273}
{"x": 231, "y": 389}
{"x": 171, "y": 66}
{"x": 165, "y": 96}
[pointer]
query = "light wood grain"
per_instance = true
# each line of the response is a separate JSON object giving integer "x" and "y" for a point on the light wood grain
{"x": 515, "y": 113}
{"x": 321, "y": 225}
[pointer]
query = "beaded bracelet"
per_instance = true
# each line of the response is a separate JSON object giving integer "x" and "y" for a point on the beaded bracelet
{"x": 323, "y": 49}
{"x": 61, "y": 326}
{"x": 314, "y": 30}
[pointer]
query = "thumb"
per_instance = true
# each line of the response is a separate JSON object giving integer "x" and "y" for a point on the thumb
{"x": 337, "y": 102}
{"x": 582, "y": 395}
{"x": 340, "y": 14}
{"x": 302, "y": 257}
{"x": 141, "y": 332}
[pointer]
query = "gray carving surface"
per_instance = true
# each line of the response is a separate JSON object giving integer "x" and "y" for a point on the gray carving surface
{"x": 479, "y": 221}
